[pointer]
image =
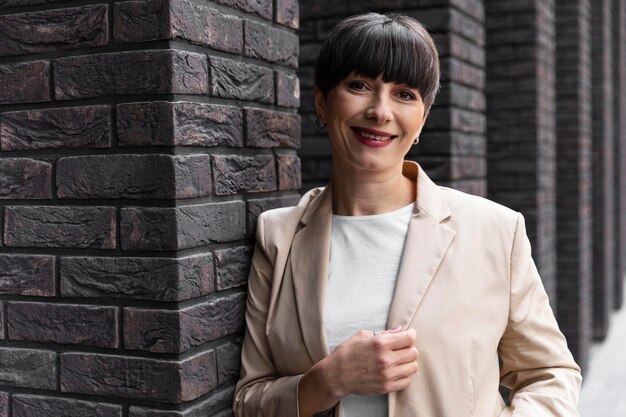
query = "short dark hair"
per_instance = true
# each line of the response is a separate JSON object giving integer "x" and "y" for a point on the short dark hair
{"x": 395, "y": 46}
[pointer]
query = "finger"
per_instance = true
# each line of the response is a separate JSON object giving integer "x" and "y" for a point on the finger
{"x": 398, "y": 340}
{"x": 404, "y": 370}
{"x": 397, "y": 385}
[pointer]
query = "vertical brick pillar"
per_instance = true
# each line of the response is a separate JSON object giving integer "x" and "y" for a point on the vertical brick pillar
{"x": 452, "y": 146}
{"x": 139, "y": 141}
{"x": 619, "y": 135}
{"x": 574, "y": 180}
{"x": 521, "y": 120}
{"x": 602, "y": 166}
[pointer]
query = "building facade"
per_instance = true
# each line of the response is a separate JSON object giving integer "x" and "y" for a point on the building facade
{"x": 139, "y": 141}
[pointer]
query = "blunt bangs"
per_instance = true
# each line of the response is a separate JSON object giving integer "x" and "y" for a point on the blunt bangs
{"x": 393, "y": 46}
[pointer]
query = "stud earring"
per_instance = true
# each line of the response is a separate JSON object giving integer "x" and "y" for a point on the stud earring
{"x": 416, "y": 140}
{"x": 319, "y": 125}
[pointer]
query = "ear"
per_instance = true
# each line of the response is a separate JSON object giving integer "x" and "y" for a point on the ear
{"x": 320, "y": 103}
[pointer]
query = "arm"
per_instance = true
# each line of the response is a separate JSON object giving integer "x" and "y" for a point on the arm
{"x": 536, "y": 363}
{"x": 260, "y": 389}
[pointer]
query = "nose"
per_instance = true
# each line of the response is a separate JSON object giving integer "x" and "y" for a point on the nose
{"x": 379, "y": 109}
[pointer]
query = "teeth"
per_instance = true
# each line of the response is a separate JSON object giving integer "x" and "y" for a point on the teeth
{"x": 375, "y": 137}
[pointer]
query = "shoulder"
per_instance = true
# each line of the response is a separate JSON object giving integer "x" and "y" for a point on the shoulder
{"x": 276, "y": 227}
{"x": 479, "y": 213}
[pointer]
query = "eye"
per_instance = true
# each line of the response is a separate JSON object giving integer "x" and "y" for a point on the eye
{"x": 357, "y": 85}
{"x": 406, "y": 95}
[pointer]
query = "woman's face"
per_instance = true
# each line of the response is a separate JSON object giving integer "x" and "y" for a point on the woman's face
{"x": 372, "y": 124}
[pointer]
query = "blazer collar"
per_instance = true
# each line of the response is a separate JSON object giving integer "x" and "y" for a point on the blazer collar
{"x": 426, "y": 244}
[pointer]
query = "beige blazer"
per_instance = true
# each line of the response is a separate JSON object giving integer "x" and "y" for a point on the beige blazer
{"x": 467, "y": 285}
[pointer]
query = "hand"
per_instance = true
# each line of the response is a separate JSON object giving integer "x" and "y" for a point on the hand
{"x": 366, "y": 364}
{"x": 363, "y": 364}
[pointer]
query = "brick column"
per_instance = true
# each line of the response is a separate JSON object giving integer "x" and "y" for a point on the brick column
{"x": 619, "y": 134}
{"x": 139, "y": 141}
{"x": 574, "y": 180}
{"x": 602, "y": 166}
{"x": 452, "y": 146}
{"x": 521, "y": 120}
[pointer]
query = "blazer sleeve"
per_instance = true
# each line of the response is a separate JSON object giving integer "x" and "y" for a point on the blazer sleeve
{"x": 261, "y": 391}
{"x": 536, "y": 364}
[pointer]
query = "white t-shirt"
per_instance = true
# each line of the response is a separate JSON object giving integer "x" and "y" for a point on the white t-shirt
{"x": 365, "y": 254}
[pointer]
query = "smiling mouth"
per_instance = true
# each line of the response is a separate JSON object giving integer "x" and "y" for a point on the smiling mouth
{"x": 372, "y": 136}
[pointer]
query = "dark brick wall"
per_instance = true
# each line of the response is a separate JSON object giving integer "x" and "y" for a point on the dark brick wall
{"x": 602, "y": 166}
{"x": 574, "y": 179}
{"x": 139, "y": 141}
{"x": 619, "y": 132}
{"x": 521, "y": 127}
{"x": 452, "y": 146}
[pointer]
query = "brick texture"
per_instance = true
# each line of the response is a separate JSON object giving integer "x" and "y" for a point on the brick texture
{"x": 35, "y": 405}
{"x": 27, "y": 275}
{"x": 159, "y": 279}
{"x": 24, "y": 178}
{"x": 28, "y": 368}
{"x": 574, "y": 180}
{"x": 619, "y": 112}
{"x": 72, "y": 127}
{"x": 63, "y": 323}
{"x": 185, "y": 328}
{"x": 27, "y": 82}
{"x": 62, "y": 227}
{"x": 77, "y": 27}
{"x": 139, "y": 378}
{"x": 521, "y": 170}
{"x": 139, "y": 142}
{"x": 602, "y": 166}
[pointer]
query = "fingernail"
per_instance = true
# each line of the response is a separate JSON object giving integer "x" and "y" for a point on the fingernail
{"x": 395, "y": 328}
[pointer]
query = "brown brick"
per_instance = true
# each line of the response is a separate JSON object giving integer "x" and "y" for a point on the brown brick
{"x": 138, "y": 21}
{"x": 4, "y": 404}
{"x": 228, "y": 361}
{"x": 27, "y": 275}
{"x": 136, "y": 72}
{"x": 165, "y": 279}
{"x": 232, "y": 79}
{"x": 27, "y": 82}
{"x": 287, "y": 13}
{"x": 261, "y": 8}
{"x": 28, "y": 368}
{"x": 63, "y": 323}
{"x": 180, "y": 330}
{"x": 18, "y": 3}
{"x": 63, "y": 227}
{"x": 26, "y": 405}
{"x": 232, "y": 266}
{"x": 234, "y": 174}
{"x": 1, "y": 329}
{"x": 180, "y": 123}
{"x": 71, "y": 127}
{"x": 182, "y": 227}
{"x": 256, "y": 206}
{"x": 288, "y": 172}
{"x": 219, "y": 399}
{"x": 287, "y": 89}
{"x": 139, "y": 378}
{"x": 271, "y": 44}
{"x": 134, "y": 176}
{"x": 269, "y": 129}
{"x": 50, "y": 30}
{"x": 25, "y": 178}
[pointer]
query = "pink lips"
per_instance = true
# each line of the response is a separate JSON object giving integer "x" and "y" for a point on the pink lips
{"x": 372, "y": 142}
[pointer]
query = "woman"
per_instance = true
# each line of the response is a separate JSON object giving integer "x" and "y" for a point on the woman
{"x": 383, "y": 294}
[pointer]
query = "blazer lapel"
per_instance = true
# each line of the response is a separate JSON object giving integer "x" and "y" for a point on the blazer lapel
{"x": 309, "y": 268}
{"x": 426, "y": 244}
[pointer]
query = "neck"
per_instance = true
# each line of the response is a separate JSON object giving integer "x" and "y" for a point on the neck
{"x": 364, "y": 193}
